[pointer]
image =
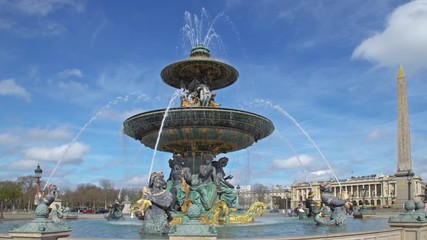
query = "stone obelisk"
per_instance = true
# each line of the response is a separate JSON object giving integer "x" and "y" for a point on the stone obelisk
{"x": 404, "y": 173}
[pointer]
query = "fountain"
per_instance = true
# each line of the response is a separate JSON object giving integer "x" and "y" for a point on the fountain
{"x": 195, "y": 133}
{"x": 42, "y": 227}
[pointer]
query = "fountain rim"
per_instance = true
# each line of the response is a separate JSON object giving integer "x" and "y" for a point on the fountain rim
{"x": 189, "y": 109}
{"x": 255, "y": 126}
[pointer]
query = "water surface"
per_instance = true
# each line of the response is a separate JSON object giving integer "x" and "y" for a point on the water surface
{"x": 268, "y": 227}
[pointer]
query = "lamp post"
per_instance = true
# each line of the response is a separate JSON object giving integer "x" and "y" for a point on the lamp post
{"x": 238, "y": 194}
{"x": 409, "y": 177}
{"x": 37, "y": 175}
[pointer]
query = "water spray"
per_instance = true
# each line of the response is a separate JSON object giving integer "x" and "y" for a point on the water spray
{"x": 100, "y": 111}
{"x": 177, "y": 93}
{"x": 281, "y": 110}
{"x": 299, "y": 161}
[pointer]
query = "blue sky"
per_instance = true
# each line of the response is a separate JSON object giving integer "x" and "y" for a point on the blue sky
{"x": 72, "y": 71}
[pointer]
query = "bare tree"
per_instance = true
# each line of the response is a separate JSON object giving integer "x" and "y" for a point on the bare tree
{"x": 260, "y": 192}
{"x": 28, "y": 190}
{"x": 108, "y": 187}
{"x": 89, "y": 195}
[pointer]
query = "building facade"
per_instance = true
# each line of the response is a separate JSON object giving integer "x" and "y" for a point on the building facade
{"x": 376, "y": 191}
{"x": 276, "y": 197}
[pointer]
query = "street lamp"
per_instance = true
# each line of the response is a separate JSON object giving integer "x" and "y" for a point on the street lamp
{"x": 238, "y": 193}
{"x": 37, "y": 175}
{"x": 409, "y": 177}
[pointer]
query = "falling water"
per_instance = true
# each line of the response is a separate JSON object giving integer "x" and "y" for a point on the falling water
{"x": 131, "y": 163}
{"x": 280, "y": 109}
{"x": 177, "y": 93}
{"x": 80, "y": 132}
{"x": 299, "y": 161}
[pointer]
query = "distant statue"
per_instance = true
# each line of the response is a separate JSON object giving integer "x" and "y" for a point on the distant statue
{"x": 226, "y": 189}
{"x": 179, "y": 182}
{"x": 198, "y": 94}
{"x": 49, "y": 198}
{"x": 41, "y": 222}
{"x": 337, "y": 206}
{"x": 310, "y": 204}
{"x": 205, "y": 94}
{"x": 115, "y": 210}
{"x": 155, "y": 206}
{"x": 207, "y": 188}
{"x": 212, "y": 102}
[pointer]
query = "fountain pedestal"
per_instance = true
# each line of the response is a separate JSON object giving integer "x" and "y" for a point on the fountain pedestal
{"x": 192, "y": 228}
{"x": 41, "y": 227}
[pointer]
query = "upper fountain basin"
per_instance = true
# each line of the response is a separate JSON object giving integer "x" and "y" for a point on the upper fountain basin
{"x": 216, "y": 73}
{"x": 216, "y": 130}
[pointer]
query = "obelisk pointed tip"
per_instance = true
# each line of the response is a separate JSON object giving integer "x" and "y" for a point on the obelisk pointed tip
{"x": 401, "y": 73}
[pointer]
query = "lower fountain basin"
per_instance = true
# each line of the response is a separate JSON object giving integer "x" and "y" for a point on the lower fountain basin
{"x": 215, "y": 130}
{"x": 269, "y": 226}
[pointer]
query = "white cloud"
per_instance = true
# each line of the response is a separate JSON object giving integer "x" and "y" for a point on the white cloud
{"x": 137, "y": 180}
{"x": 374, "y": 135}
{"x": 294, "y": 162}
{"x": 120, "y": 116}
{"x": 64, "y": 153}
{"x": 50, "y": 28}
{"x": 34, "y": 135}
{"x": 21, "y": 165}
{"x": 7, "y": 138}
{"x": 43, "y": 7}
{"x": 6, "y": 24}
{"x": 321, "y": 173}
{"x": 59, "y": 133}
{"x": 403, "y": 41}
{"x": 73, "y": 86}
{"x": 8, "y": 87}
{"x": 71, "y": 73}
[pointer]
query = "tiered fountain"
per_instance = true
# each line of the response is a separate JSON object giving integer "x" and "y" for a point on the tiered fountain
{"x": 199, "y": 127}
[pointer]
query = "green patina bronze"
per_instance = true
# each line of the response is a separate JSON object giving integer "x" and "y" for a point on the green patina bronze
{"x": 195, "y": 133}
{"x": 200, "y": 66}
{"x": 42, "y": 227}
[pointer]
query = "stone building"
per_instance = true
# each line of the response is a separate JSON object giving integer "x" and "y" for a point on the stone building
{"x": 377, "y": 190}
{"x": 276, "y": 197}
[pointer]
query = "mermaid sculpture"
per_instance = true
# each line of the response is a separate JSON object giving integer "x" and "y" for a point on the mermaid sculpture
{"x": 337, "y": 206}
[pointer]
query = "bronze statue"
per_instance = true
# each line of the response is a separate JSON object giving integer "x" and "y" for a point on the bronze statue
{"x": 207, "y": 178}
{"x": 337, "y": 206}
{"x": 155, "y": 206}
{"x": 115, "y": 210}
{"x": 225, "y": 189}
{"x": 179, "y": 183}
{"x": 310, "y": 204}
